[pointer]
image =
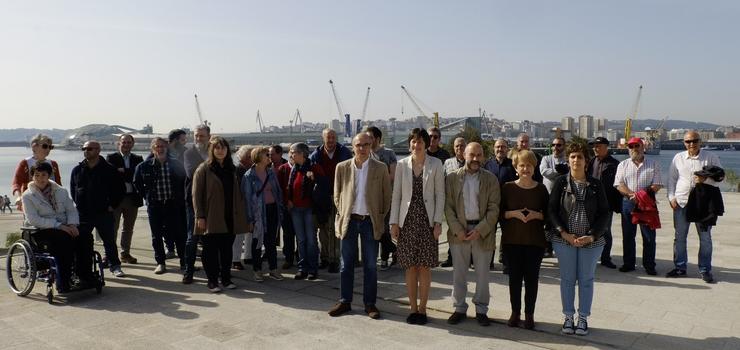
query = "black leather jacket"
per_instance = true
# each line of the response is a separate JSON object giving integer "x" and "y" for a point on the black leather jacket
{"x": 562, "y": 200}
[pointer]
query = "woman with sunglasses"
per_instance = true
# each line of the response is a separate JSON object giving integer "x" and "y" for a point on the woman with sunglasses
{"x": 41, "y": 145}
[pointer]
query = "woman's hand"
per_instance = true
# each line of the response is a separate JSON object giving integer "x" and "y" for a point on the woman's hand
{"x": 582, "y": 241}
{"x": 395, "y": 231}
{"x": 71, "y": 230}
{"x": 437, "y": 231}
{"x": 201, "y": 224}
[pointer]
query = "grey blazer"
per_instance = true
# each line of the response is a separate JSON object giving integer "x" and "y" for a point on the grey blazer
{"x": 434, "y": 190}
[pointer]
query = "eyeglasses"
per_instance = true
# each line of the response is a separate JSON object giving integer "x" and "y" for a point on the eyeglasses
{"x": 46, "y": 146}
{"x": 691, "y": 141}
{"x": 557, "y": 145}
{"x": 633, "y": 146}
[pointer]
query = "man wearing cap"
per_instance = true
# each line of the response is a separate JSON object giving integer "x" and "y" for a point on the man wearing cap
{"x": 681, "y": 180}
{"x": 635, "y": 174}
{"x": 604, "y": 167}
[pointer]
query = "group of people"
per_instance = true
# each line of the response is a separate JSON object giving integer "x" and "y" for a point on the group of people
{"x": 5, "y": 204}
{"x": 356, "y": 202}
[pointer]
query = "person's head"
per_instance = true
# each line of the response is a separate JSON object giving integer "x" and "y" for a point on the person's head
{"x": 435, "y": 136}
{"x": 202, "y": 134}
{"x": 524, "y": 162}
{"x": 244, "y": 155}
{"x": 600, "y": 146}
{"x": 418, "y": 140}
{"x": 636, "y": 150}
{"x": 276, "y": 154}
{"x": 558, "y": 144}
{"x": 473, "y": 156}
{"x": 362, "y": 144}
{"x": 500, "y": 148}
{"x": 578, "y": 157}
{"x": 299, "y": 153}
{"x": 125, "y": 143}
{"x": 40, "y": 174}
{"x": 41, "y": 145}
{"x": 159, "y": 148}
{"x": 260, "y": 157}
{"x": 376, "y": 135}
{"x": 692, "y": 142}
{"x": 219, "y": 150}
{"x": 177, "y": 138}
{"x": 329, "y": 136}
{"x": 91, "y": 150}
{"x": 459, "y": 146}
{"x": 522, "y": 141}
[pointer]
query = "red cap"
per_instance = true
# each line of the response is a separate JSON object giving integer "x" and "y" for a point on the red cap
{"x": 634, "y": 140}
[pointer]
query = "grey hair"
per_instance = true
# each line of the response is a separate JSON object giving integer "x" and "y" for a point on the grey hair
{"x": 40, "y": 138}
{"x": 301, "y": 148}
{"x": 506, "y": 142}
{"x": 242, "y": 151}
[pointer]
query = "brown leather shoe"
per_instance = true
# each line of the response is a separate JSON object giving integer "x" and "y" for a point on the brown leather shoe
{"x": 529, "y": 321}
{"x": 128, "y": 259}
{"x": 513, "y": 320}
{"x": 456, "y": 317}
{"x": 340, "y": 308}
{"x": 372, "y": 312}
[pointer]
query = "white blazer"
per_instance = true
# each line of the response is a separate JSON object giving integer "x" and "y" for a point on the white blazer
{"x": 434, "y": 190}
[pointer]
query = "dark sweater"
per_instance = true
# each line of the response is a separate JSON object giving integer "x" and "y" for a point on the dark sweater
{"x": 514, "y": 231}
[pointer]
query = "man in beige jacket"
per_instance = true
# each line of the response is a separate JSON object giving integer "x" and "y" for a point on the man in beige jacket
{"x": 472, "y": 203}
{"x": 362, "y": 195}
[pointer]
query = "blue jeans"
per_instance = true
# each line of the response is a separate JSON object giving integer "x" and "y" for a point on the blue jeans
{"x": 680, "y": 257}
{"x": 308, "y": 246}
{"x": 191, "y": 242}
{"x": 103, "y": 222}
{"x": 166, "y": 221}
{"x": 576, "y": 264}
{"x": 629, "y": 231}
{"x": 363, "y": 229}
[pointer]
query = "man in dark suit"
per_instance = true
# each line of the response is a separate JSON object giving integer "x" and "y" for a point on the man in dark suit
{"x": 604, "y": 167}
{"x": 125, "y": 163}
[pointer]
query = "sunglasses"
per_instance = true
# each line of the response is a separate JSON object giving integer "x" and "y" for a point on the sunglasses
{"x": 691, "y": 141}
{"x": 633, "y": 146}
{"x": 89, "y": 148}
{"x": 46, "y": 146}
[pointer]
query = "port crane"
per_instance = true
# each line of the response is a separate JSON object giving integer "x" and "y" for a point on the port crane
{"x": 200, "y": 114}
{"x": 296, "y": 121}
{"x": 416, "y": 102}
{"x": 633, "y": 115}
{"x": 260, "y": 122}
{"x": 364, "y": 106}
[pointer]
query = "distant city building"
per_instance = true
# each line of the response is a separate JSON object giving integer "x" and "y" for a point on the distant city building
{"x": 602, "y": 124}
{"x": 336, "y": 125}
{"x": 567, "y": 124}
{"x": 586, "y": 126}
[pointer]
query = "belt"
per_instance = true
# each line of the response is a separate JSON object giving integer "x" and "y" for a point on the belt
{"x": 359, "y": 217}
{"x": 473, "y": 222}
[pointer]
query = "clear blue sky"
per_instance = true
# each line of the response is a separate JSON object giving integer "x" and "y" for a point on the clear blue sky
{"x": 68, "y": 63}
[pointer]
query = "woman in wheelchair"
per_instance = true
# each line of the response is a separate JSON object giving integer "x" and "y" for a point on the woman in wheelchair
{"x": 49, "y": 208}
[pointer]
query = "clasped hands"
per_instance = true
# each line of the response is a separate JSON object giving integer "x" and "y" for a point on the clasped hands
{"x": 525, "y": 215}
{"x": 575, "y": 240}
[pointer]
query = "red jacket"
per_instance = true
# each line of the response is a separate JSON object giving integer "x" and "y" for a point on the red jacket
{"x": 646, "y": 210}
{"x": 23, "y": 176}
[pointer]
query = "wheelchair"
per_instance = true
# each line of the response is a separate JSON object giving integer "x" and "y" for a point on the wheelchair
{"x": 29, "y": 261}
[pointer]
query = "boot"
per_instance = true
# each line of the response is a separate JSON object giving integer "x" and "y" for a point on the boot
{"x": 528, "y": 321}
{"x": 513, "y": 320}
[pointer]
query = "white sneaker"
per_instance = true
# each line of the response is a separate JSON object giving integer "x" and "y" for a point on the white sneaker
{"x": 258, "y": 276}
{"x": 160, "y": 269}
{"x": 582, "y": 327}
{"x": 214, "y": 288}
{"x": 117, "y": 272}
{"x": 274, "y": 274}
{"x": 568, "y": 327}
{"x": 230, "y": 285}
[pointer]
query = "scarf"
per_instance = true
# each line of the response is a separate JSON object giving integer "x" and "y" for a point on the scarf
{"x": 48, "y": 194}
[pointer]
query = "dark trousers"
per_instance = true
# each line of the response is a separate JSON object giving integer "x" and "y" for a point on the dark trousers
{"x": 66, "y": 251}
{"x": 269, "y": 240}
{"x": 606, "y": 254}
{"x": 386, "y": 243}
{"x": 217, "y": 256}
{"x": 191, "y": 241}
{"x": 629, "y": 232}
{"x": 166, "y": 221}
{"x": 524, "y": 265}
{"x": 289, "y": 244}
{"x": 103, "y": 223}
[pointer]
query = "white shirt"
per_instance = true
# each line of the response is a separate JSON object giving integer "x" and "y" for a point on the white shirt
{"x": 471, "y": 188}
{"x": 638, "y": 177}
{"x": 360, "y": 205}
{"x": 681, "y": 174}
{"x": 126, "y": 165}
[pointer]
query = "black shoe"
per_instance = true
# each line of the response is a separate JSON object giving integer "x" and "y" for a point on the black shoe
{"x": 483, "y": 320}
{"x": 312, "y": 276}
{"x": 187, "y": 279}
{"x": 651, "y": 271}
{"x": 323, "y": 264}
{"x": 412, "y": 318}
{"x": 707, "y": 277}
{"x": 339, "y": 309}
{"x": 608, "y": 264}
{"x": 456, "y": 318}
{"x": 421, "y": 319}
{"x": 626, "y": 268}
{"x": 446, "y": 263}
{"x": 300, "y": 275}
{"x": 676, "y": 273}
{"x": 333, "y": 268}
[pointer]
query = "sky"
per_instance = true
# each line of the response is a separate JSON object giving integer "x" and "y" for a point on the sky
{"x": 64, "y": 64}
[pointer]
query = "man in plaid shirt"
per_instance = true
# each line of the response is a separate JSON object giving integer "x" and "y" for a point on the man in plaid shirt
{"x": 634, "y": 174}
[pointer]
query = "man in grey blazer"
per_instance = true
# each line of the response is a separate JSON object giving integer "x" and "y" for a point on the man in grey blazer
{"x": 472, "y": 207}
{"x": 362, "y": 195}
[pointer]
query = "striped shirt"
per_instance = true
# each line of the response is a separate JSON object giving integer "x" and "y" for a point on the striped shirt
{"x": 638, "y": 177}
{"x": 162, "y": 181}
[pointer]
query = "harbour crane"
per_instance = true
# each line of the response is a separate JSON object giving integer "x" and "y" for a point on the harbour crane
{"x": 364, "y": 106}
{"x": 415, "y": 102}
{"x": 633, "y": 115}
{"x": 337, "y": 100}
{"x": 298, "y": 121}
{"x": 260, "y": 122}
{"x": 200, "y": 114}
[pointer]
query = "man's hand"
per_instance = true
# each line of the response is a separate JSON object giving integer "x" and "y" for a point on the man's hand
{"x": 437, "y": 231}
{"x": 395, "y": 231}
{"x": 674, "y": 203}
{"x": 461, "y": 235}
{"x": 201, "y": 224}
{"x": 472, "y": 235}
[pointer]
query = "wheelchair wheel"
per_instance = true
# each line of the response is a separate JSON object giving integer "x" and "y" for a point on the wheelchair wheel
{"x": 21, "y": 268}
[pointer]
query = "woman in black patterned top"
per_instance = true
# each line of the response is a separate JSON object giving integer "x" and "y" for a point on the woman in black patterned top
{"x": 578, "y": 213}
